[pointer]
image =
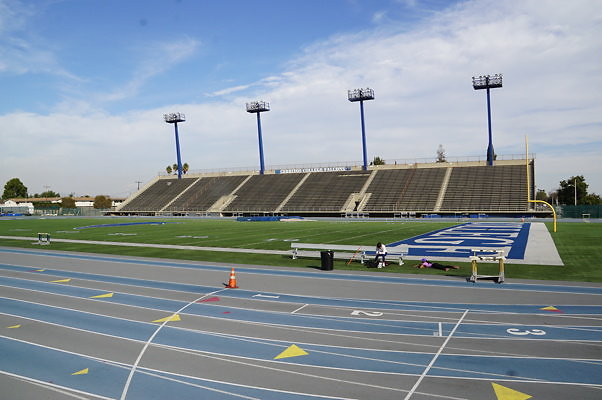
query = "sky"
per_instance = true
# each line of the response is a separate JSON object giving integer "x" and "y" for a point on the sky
{"x": 85, "y": 85}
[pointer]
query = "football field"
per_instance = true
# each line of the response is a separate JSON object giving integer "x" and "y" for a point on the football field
{"x": 533, "y": 251}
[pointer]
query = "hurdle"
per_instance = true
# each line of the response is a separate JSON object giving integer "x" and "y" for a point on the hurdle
{"x": 43, "y": 238}
{"x": 486, "y": 255}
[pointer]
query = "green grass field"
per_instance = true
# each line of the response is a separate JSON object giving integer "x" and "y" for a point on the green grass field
{"x": 578, "y": 243}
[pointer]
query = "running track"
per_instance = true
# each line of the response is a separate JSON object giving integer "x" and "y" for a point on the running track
{"x": 77, "y": 325}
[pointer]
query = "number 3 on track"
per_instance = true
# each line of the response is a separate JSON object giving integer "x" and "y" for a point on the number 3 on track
{"x": 515, "y": 331}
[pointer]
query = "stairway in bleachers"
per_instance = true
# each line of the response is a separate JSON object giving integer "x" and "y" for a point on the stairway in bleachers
{"x": 205, "y": 193}
{"x": 326, "y": 191}
{"x": 263, "y": 193}
{"x": 158, "y": 195}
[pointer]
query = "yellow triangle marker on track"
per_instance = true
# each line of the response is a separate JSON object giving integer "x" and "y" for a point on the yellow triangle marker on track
{"x": 550, "y": 308}
{"x": 292, "y": 351}
{"x": 82, "y": 372}
{"x": 101, "y": 296}
{"x": 61, "y": 280}
{"x": 504, "y": 393}
{"x": 41, "y": 270}
{"x": 13, "y": 327}
{"x": 175, "y": 317}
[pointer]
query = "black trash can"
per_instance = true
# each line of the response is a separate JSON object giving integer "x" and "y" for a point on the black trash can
{"x": 327, "y": 258}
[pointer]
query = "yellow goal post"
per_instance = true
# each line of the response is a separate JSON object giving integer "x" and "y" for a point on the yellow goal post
{"x": 551, "y": 208}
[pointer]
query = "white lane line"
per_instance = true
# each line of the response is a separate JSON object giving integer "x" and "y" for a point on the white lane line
{"x": 158, "y": 374}
{"x": 148, "y": 342}
{"x": 300, "y": 308}
{"x": 57, "y": 388}
{"x": 428, "y": 367}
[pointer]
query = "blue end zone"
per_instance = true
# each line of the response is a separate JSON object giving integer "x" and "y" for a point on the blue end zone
{"x": 457, "y": 241}
{"x": 520, "y": 243}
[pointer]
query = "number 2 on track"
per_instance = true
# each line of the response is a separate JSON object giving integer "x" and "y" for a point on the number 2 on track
{"x": 367, "y": 313}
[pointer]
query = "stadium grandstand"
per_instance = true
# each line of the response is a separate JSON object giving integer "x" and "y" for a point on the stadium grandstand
{"x": 416, "y": 189}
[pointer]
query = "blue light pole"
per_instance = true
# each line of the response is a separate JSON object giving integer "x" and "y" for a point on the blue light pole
{"x": 257, "y": 107}
{"x": 488, "y": 82}
{"x": 174, "y": 118}
{"x": 361, "y": 95}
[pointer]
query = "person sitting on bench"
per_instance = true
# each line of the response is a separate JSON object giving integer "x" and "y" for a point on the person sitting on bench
{"x": 424, "y": 263}
{"x": 381, "y": 253}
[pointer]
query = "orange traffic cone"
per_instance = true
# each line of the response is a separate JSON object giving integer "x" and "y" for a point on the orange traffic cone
{"x": 232, "y": 283}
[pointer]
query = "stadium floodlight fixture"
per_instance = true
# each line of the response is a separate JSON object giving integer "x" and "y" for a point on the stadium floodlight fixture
{"x": 257, "y": 107}
{"x": 361, "y": 95}
{"x": 488, "y": 82}
{"x": 174, "y": 118}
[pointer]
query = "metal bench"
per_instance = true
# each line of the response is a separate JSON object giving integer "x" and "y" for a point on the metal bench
{"x": 343, "y": 251}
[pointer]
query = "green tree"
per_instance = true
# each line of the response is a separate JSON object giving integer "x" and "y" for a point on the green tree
{"x": 173, "y": 169}
{"x": 566, "y": 192}
{"x": 50, "y": 193}
{"x": 541, "y": 195}
{"x": 14, "y": 188}
{"x": 378, "y": 161}
{"x": 102, "y": 202}
{"x": 592, "y": 199}
{"x": 68, "y": 202}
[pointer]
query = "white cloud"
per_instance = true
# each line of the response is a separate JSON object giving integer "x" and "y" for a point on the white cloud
{"x": 228, "y": 91}
{"x": 549, "y": 52}
{"x": 379, "y": 17}
{"x": 156, "y": 59}
{"x": 21, "y": 51}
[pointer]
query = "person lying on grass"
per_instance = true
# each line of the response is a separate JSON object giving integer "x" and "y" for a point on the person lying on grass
{"x": 424, "y": 263}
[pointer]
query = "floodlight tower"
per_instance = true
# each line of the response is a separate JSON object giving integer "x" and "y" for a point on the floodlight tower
{"x": 361, "y": 95}
{"x": 174, "y": 118}
{"x": 257, "y": 107}
{"x": 488, "y": 82}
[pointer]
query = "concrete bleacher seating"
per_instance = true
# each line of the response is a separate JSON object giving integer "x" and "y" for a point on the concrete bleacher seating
{"x": 326, "y": 191}
{"x": 205, "y": 192}
{"x": 437, "y": 188}
{"x": 413, "y": 189}
{"x": 486, "y": 189}
{"x": 263, "y": 193}
{"x": 158, "y": 195}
